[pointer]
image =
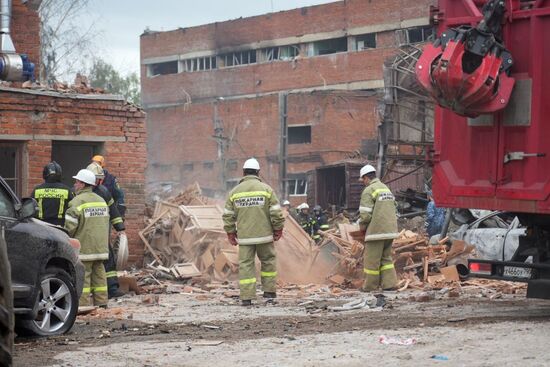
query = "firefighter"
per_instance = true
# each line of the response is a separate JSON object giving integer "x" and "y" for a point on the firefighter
{"x": 307, "y": 221}
{"x": 320, "y": 218}
{"x": 111, "y": 182}
{"x": 253, "y": 219}
{"x": 118, "y": 224}
{"x": 52, "y": 196}
{"x": 379, "y": 222}
{"x": 85, "y": 220}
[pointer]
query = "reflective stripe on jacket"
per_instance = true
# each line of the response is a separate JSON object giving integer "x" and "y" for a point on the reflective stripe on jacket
{"x": 377, "y": 210}
{"x": 86, "y": 220}
{"x": 52, "y": 199}
{"x": 253, "y": 211}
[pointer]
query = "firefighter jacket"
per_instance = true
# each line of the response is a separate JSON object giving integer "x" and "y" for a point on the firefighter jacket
{"x": 322, "y": 222}
{"x": 377, "y": 210}
{"x": 111, "y": 183}
{"x": 253, "y": 211}
{"x": 116, "y": 218}
{"x": 53, "y": 199}
{"x": 86, "y": 220}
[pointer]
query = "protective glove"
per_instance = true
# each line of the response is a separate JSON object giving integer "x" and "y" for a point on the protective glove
{"x": 277, "y": 234}
{"x": 232, "y": 237}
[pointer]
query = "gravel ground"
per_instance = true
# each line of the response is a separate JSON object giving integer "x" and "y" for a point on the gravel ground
{"x": 184, "y": 330}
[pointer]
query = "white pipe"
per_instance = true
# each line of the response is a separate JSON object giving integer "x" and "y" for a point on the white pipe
{"x": 6, "y": 44}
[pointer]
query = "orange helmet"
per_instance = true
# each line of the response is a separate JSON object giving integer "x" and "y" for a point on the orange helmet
{"x": 99, "y": 159}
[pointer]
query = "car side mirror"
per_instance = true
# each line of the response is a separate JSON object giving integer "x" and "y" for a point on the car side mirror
{"x": 28, "y": 209}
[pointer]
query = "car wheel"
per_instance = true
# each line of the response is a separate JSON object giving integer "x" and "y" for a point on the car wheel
{"x": 56, "y": 305}
{"x": 6, "y": 308}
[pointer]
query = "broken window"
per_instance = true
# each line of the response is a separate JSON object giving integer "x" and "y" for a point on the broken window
{"x": 187, "y": 167}
{"x": 163, "y": 68}
{"x": 414, "y": 35}
{"x": 297, "y": 186}
{"x": 299, "y": 134}
{"x": 365, "y": 41}
{"x": 331, "y": 46}
{"x": 199, "y": 64}
{"x": 238, "y": 58}
{"x": 420, "y": 34}
{"x": 10, "y": 165}
{"x": 208, "y": 165}
{"x": 279, "y": 53}
{"x": 232, "y": 165}
{"x": 231, "y": 183}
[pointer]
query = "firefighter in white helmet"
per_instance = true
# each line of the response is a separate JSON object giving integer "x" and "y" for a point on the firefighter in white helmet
{"x": 86, "y": 220}
{"x": 379, "y": 222}
{"x": 253, "y": 219}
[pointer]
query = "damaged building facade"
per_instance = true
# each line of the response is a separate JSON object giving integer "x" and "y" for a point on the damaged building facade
{"x": 39, "y": 125}
{"x": 296, "y": 89}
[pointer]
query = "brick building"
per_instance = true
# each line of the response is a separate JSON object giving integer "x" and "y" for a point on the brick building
{"x": 37, "y": 126}
{"x": 296, "y": 89}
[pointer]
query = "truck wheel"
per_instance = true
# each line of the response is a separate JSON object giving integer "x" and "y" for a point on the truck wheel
{"x": 56, "y": 305}
{"x": 6, "y": 308}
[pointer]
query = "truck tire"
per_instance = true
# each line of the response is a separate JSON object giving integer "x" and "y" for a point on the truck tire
{"x": 56, "y": 310}
{"x": 6, "y": 308}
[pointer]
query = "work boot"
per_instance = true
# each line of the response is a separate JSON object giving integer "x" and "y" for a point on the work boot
{"x": 270, "y": 295}
{"x": 116, "y": 293}
{"x": 246, "y": 302}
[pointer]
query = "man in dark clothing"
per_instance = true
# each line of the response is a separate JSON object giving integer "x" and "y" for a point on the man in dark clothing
{"x": 52, "y": 196}
{"x": 118, "y": 224}
{"x": 110, "y": 182}
{"x": 321, "y": 218}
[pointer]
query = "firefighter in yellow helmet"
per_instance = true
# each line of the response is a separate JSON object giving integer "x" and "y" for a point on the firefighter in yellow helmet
{"x": 86, "y": 220}
{"x": 253, "y": 219}
{"x": 379, "y": 222}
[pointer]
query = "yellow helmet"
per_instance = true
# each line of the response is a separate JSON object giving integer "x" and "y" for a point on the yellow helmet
{"x": 99, "y": 159}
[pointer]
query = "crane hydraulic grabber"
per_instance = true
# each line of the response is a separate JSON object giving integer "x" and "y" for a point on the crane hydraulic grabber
{"x": 467, "y": 68}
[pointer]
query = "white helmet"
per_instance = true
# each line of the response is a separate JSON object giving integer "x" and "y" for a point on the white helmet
{"x": 302, "y": 206}
{"x": 286, "y": 202}
{"x": 251, "y": 163}
{"x": 86, "y": 176}
{"x": 366, "y": 169}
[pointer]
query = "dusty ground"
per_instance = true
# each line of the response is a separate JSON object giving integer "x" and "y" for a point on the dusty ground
{"x": 200, "y": 330}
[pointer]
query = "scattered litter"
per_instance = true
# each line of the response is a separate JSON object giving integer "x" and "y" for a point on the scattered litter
{"x": 367, "y": 302}
{"x": 389, "y": 340}
{"x": 207, "y": 343}
{"x": 211, "y": 327}
{"x": 439, "y": 357}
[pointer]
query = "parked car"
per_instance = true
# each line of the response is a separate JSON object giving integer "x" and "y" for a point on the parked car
{"x": 46, "y": 274}
{"x": 6, "y": 307}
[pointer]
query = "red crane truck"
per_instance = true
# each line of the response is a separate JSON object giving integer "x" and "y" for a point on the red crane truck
{"x": 489, "y": 72}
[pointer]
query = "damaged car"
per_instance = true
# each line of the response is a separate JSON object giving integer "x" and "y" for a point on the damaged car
{"x": 495, "y": 235}
{"x": 46, "y": 274}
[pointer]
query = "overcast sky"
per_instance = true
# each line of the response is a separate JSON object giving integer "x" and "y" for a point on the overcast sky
{"x": 122, "y": 21}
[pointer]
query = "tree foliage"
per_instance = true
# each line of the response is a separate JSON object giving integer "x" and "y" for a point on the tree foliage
{"x": 65, "y": 45}
{"x": 103, "y": 75}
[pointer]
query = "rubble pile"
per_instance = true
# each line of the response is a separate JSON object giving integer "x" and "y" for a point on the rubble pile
{"x": 185, "y": 238}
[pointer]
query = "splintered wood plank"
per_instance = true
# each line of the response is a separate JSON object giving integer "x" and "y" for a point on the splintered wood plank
{"x": 186, "y": 270}
{"x": 205, "y": 217}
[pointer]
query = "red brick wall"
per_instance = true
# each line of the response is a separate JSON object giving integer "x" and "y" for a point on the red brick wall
{"x": 28, "y": 114}
{"x": 25, "y": 31}
{"x": 339, "y": 120}
{"x": 339, "y": 15}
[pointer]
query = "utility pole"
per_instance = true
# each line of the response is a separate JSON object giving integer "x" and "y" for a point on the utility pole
{"x": 221, "y": 143}
{"x": 283, "y": 112}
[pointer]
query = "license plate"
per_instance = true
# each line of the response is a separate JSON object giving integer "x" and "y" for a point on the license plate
{"x": 517, "y": 272}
